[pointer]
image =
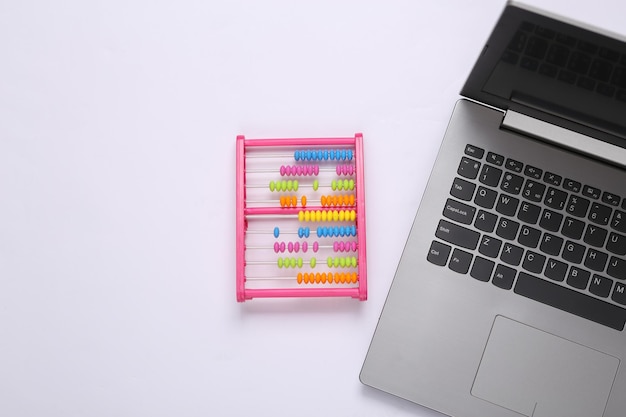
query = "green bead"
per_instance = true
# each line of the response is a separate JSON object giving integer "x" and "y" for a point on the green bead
{"x": 299, "y": 262}
{"x": 316, "y": 184}
{"x": 293, "y": 262}
{"x": 329, "y": 261}
{"x": 313, "y": 262}
{"x": 333, "y": 185}
{"x": 295, "y": 185}
{"x": 280, "y": 262}
{"x": 351, "y": 184}
{"x": 272, "y": 186}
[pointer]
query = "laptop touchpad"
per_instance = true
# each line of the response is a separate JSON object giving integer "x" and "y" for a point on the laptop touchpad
{"x": 537, "y": 374}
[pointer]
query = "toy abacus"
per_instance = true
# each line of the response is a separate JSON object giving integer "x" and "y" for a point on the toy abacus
{"x": 301, "y": 218}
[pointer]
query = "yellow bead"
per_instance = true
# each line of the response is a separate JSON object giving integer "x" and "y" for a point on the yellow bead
{"x": 301, "y": 216}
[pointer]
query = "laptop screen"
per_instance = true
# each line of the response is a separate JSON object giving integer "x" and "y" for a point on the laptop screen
{"x": 553, "y": 69}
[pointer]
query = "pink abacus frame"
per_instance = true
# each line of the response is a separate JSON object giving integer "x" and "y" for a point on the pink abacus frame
{"x": 256, "y": 214}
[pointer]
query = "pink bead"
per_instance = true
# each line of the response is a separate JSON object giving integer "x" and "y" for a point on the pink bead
{"x": 351, "y": 169}
{"x": 282, "y": 246}
{"x": 282, "y": 170}
{"x": 296, "y": 246}
{"x": 299, "y": 170}
{"x": 290, "y": 247}
{"x": 316, "y": 170}
{"x": 316, "y": 246}
{"x": 336, "y": 246}
{"x": 305, "y": 247}
{"x": 354, "y": 246}
{"x": 338, "y": 169}
{"x": 276, "y": 247}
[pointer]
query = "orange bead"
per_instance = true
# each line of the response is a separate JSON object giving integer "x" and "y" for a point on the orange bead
{"x": 303, "y": 201}
{"x": 299, "y": 277}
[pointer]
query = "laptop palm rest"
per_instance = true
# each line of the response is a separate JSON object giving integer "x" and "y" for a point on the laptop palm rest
{"x": 535, "y": 373}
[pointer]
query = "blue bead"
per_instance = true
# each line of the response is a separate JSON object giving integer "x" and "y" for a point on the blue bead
{"x": 296, "y": 155}
{"x": 342, "y": 231}
{"x": 276, "y": 232}
{"x": 319, "y": 231}
{"x": 325, "y": 154}
{"x": 343, "y": 154}
{"x": 353, "y": 230}
{"x": 307, "y": 232}
{"x": 349, "y": 155}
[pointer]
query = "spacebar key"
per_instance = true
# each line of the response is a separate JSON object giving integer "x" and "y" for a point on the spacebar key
{"x": 457, "y": 235}
{"x": 571, "y": 301}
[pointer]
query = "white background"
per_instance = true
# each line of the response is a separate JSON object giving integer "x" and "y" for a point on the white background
{"x": 117, "y": 192}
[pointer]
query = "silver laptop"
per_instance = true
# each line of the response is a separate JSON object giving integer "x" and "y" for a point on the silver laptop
{"x": 510, "y": 296}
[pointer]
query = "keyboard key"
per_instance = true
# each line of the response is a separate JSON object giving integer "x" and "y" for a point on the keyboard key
{"x": 474, "y": 151}
{"x": 573, "y": 252}
{"x": 571, "y": 301}
{"x": 571, "y": 185}
{"x": 552, "y": 178}
{"x": 533, "y": 172}
{"x": 533, "y": 262}
{"x": 573, "y": 228}
{"x": 507, "y": 205}
{"x": 596, "y": 260}
{"x": 591, "y": 192}
{"x": 438, "y": 253}
{"x": 482, "y": 269}
{"x": 578, "y": 278}
{"x": 555, "y": 198}
{"x": 463, "y": 190}
{"x": 529, "y": 236}
{"x": 551, "y": 220}
{"x": 485, "y": 221}
{"x": 551, "y": 244}
{"x": 459, "y": 212}
{"x": 460, "y": 261}
{"x": 528, "y": 212}
{"x": 457, "y": 235}
{"x": 595, "y": 235}
{"x": 514, "y": 165}
{"x": 489, "y": 246}
{"x": 611, "y": 199}
{"x": 511, "y": 254}
{"x": 600, "y": 286}
{"x": 495, "y": 159}
{"x": 490, "y": 175}
{"x": 468, "y": 168}
{"x": 533, "y": 190}
{"x": 619, "y": 293}
{"x": 617, "y": 268}
{"x": 555, "y": 270}
{"x": 485, "y": 197}
{"x": 600, "y": 214}
{"x": 507, "y": 229}
{"x": 618, "y": 221}
{"x": 577, "y": 206}
{"x": 512, "y": 183}
{"x": 616, "y": 244}
{"x": 504, "y": 277}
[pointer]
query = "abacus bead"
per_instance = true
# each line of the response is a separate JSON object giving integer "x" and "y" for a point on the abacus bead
{"x": 280, "y": 262}
{"x": 301, "y": 216}
{"x": 313, "y": 262}
{"x": 351, "y": 184}
{"x": 352, "y": 215}
{"x": 319, "y": 231}
{"x": 300, "y": 262}
{"x": 276, "y": 247}
{"x": 296, "y": 246}
{"x": 272, "y": 186}
{"x": 300, "y": 232}
{"x": 316, "y": 247}
{"x": 290, "y": 247}
{"x": 354, "y": 246}
{"x": 299, "y": 277}
{"x": 336, "y": 246}
{"x": 282, "y": 246}
{"x": 343, "y": 154}
{"x": 316, "y": 184}
{"x": 296, "y": 155}
{"x": 353, "y": 261}
{"x": 336, "y": 262}
{"x": 316, "y": 170}
{"x": 293, "y": 262}
{"x": 338, "y": 170}
{"x": 333, "y": 185}
{"x": 276, "y": 232}
{"x": 303, "y": 200}
{"x": 350, "y": 154}
{"x": 326, "y": 154}
{"x": 307, "y": 232}
{"x": 282, "y": 170}
{"x": 305, "y": 247}
{"x": 346, "y": 184}
{"x": 295, "y": 185}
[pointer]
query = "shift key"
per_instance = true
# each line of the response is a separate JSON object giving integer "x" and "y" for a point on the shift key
{"x": 457, "y": 235}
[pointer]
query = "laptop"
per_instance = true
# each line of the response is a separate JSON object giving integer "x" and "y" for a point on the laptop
{"x": 510, "y": 296}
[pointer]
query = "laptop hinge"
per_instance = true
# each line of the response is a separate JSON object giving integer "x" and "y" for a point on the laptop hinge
{"x": 565, "y": 138}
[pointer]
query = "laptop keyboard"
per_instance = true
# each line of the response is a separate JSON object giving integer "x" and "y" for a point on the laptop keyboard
{"x": 543, "y": 236}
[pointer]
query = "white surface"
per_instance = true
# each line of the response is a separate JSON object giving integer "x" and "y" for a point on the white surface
{"x": 117, "y": 160}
